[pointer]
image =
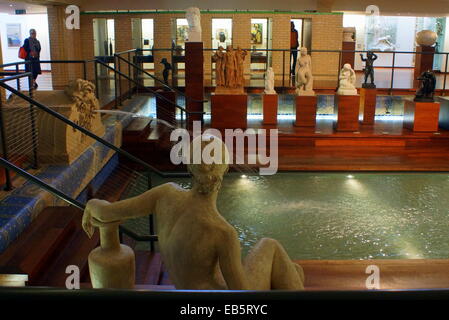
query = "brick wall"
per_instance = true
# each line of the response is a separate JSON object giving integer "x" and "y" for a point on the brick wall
{"x": 64, "y": 45}
{"x": 327, "y": 33}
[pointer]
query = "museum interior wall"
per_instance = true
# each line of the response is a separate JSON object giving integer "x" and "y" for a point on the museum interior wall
{"x": 326, "y": 34}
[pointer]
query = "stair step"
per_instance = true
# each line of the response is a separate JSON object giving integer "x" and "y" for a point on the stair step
{"x": 138, "y": 128}
{"x": 75, "y": 253}
{"x": 117, "y": 178}
{"x": 39, "y": 244}
{"x": 148, "y": 267}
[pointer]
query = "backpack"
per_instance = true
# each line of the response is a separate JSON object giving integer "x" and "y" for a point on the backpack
{"x": 22, "y": 53}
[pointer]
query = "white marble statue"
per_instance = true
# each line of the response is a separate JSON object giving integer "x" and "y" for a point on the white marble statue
{"x": 346, "y": 84}
{"x": 200, "y": 249}
{"x": 384, "y": 44}
{"x": 193, "y": 17}
{"x": 303, "y": 74}
{"x": 269, "y": 82}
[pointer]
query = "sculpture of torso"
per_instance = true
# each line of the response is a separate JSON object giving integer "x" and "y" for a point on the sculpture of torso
{"x": 186, "y": 237}
{"x": 304, "y": 78}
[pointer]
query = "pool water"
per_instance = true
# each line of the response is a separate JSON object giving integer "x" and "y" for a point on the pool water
{"x": 338, "y": 215}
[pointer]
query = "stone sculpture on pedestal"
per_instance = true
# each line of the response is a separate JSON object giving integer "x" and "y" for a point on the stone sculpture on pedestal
{"x": 269, "y": 82}
{"x": 346, "y": 84}
{"x": 200, "y": 249}
{"x": 304, "y": 77}
{"x": 229, "y": 70}
{"x": 369, "y": 69}
{"x": 218, "y": 58}
{"x": 427, "y": 89}
{"x": 193, "y": 17}
{"x": 166, "y": 71}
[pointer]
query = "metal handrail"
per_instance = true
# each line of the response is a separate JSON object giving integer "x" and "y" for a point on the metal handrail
{"x": 68, "y": 199}
{"x": 160, "y": 81}
{"x": 148, "y": 89}
{"x": 90, "y": 134}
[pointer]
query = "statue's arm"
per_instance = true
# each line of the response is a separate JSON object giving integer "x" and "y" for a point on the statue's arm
{"x": 104, "y": 211}
{"x": 229, "y": 257}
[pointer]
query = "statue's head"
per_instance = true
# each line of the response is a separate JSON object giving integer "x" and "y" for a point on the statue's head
{"x": 370, "y": 54}
{"x": 229, "y": 48}
{"x": 303, "y": 51}
{"x": 347, "y": 66}
{"x": 213, "y": 157}
{"x": 193, "y": 17}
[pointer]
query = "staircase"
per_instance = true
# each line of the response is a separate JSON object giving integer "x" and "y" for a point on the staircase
{"x": 56, "y": 240}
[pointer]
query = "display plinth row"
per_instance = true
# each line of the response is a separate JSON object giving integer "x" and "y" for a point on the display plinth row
{"x": 270, "y": 108}
{"x": 306, "y": 111}
{"x": 421, "y": 116}
{"x": 229, "y": 111}
{"x": 368, "y": 105}
{"x": 346, "y": 107}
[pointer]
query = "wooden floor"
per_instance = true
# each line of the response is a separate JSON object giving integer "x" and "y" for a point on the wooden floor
{"x": 385, "y": 146}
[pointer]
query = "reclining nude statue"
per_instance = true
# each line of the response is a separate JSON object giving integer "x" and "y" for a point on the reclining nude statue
{"x": 200, "y": 249}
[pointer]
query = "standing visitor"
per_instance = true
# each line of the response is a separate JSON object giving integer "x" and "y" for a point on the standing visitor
{"x": 293, "y": 47}
{"x": 33, "y": 48}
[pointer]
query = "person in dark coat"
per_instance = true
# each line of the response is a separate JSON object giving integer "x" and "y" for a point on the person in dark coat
{"x": 33, "y": 48}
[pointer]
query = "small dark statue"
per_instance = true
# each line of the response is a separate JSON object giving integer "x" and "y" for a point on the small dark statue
{"x": 428, "y": 82}
{"x": 369, "y": 69}
{"x": 166, "y": 71}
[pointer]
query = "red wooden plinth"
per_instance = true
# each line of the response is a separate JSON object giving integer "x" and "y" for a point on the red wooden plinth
{"x": 270, "y": 108}
{"x": 164, "y": 109}
{"x": 368, "y": 105}
{"x": 194, "y": 62}
{"x": 348, "y": 54}
{"x": 421, "y": 116}
{"x": 228, "y": 111}
{"x": 347, "y": 110}
{"x": 423, "y": 61}
{"x": 306, "y": 111}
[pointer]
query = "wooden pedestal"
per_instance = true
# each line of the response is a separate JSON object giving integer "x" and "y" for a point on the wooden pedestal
{"x": 164, "y": 109}
{"x": 270, "y": 108}
{"x": 444, "y": 113}
{"x": 229, "y": 111}
{"x": 421, "y": 116}
{"x": 368, "y": 105}
{"x": 348, "y": 57}
{"x": 423, "y": 61}
{"x": 306, "y": 111}
{"x": 347, "y": 110}
{"x": 194, "y": 62}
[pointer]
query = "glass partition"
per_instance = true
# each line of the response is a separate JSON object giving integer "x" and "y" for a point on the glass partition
{"x": 221, "y": 33}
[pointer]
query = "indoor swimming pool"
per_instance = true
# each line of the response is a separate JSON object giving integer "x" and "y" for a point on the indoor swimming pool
{"x": 337, "y": 215}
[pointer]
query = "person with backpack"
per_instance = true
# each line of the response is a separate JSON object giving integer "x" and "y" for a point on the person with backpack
{"x": 293, "y": 47}
{"x": 32, "y": 47}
